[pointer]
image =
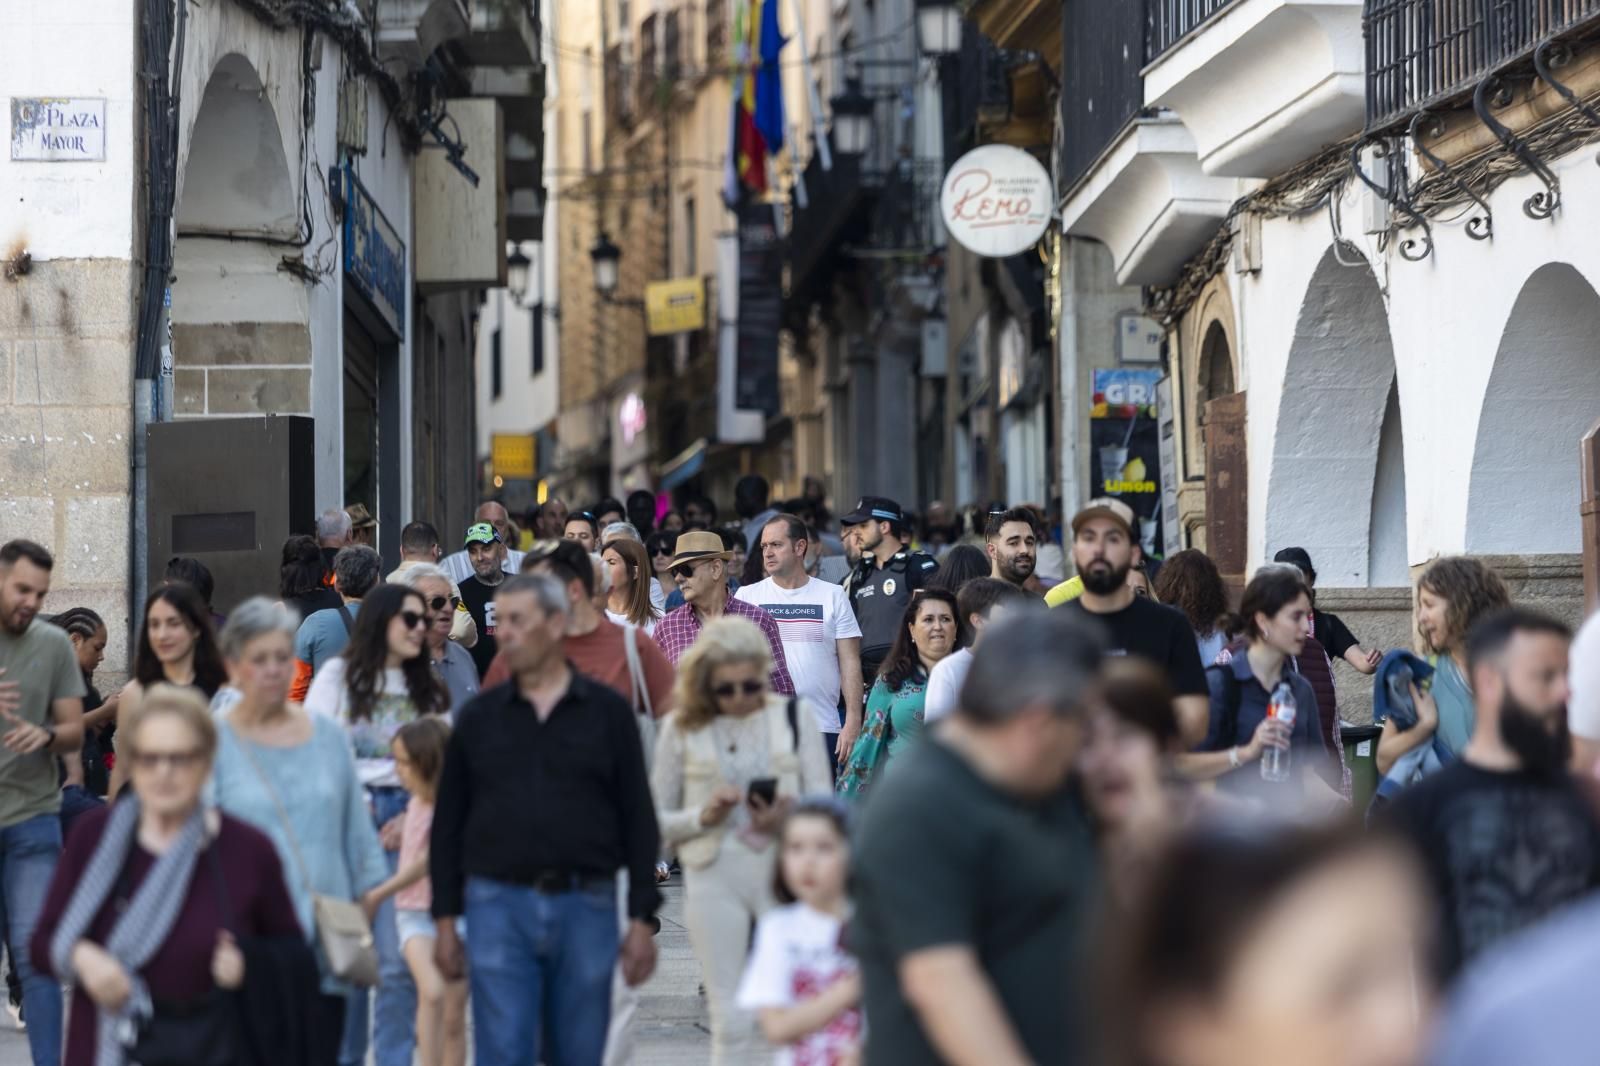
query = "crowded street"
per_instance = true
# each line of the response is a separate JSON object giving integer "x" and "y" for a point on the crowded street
{"x": 799, "y": 532}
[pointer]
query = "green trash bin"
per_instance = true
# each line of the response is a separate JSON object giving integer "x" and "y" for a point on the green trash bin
{"x": 1361, "y": 755}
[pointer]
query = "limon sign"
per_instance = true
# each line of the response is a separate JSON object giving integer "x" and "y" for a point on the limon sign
{"x": 996, "y": 200}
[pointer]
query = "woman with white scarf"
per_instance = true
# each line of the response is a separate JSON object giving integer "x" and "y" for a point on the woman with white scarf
{"x": 152, "y": 891}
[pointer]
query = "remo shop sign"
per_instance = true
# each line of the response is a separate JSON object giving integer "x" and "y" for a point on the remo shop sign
{"x": 996, "y": 201}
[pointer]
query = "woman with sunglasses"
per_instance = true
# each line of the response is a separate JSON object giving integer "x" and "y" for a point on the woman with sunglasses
{"x": 729, "y": 762}
{"x": 382, "y": 680}
{"x": 449, "y": 659}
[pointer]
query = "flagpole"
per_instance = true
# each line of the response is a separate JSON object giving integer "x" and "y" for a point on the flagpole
{"x": 824, "y": 154}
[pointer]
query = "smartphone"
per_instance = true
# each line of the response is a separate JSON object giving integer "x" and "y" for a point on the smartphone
{"x": 766, "y": 788}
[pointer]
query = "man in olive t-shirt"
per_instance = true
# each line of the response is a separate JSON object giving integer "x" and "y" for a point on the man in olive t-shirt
{"x": 41, "y": 716}
{"x": 972, "y": 864}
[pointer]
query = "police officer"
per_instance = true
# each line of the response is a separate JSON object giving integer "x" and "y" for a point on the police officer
{"x": 884, "y": 578}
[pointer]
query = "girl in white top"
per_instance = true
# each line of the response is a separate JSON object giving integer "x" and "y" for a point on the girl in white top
{"x": 804, "y": 988}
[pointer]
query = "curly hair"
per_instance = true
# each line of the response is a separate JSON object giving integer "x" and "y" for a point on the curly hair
{"x": 1191, "y": 582}
{"x": 367, "y": 654}
{"x": 725, "y": 642}
{"x": 1470, "y": 590}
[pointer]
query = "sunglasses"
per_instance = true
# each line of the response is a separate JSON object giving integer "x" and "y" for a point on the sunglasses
{"x": 439, "y": 603}
{"x": 662, "y": 550}
{"x": 412, "y": 619}
{"x": 745, "y": 688}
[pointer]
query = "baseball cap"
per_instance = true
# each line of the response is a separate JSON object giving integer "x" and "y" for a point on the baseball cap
{"x": 482, "y": 533}
{"x": 874, "y": 509}
{"x": 1105, "y": 507}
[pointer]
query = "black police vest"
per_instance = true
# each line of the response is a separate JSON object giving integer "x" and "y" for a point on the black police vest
{"x": 880, "y": 595}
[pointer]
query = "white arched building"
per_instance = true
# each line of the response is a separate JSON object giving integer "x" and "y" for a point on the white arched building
{"x": 1410, "y": 390}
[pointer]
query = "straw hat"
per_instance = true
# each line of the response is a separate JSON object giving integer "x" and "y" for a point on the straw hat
{"x": 693, "y": 547}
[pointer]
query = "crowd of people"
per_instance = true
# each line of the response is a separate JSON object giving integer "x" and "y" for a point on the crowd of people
{"x": 1003, "y": 788}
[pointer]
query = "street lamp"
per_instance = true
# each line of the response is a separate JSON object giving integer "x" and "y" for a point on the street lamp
{"x": 938, "y": 27}
{"x": 517, "y": 266}
{"x": 606, "y": 257}
{"x": 852, "y": 119}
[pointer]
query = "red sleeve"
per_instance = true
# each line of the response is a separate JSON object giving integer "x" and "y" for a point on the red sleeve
{"x": 658, "y": 674}
{"x": 69, "y": 868}
{"x": 497, "y": 674}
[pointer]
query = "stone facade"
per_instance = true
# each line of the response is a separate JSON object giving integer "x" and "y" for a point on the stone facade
{"x": 66, "y": 364}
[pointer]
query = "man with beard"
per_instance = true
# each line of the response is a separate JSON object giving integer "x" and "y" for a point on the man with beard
{"x": 487, "y": 554}
{"x": 41, "y": 717}
{"x": 1503, "y": 832}
{"x": 1012, "y": 543}
{"x": 1102, "y": 550}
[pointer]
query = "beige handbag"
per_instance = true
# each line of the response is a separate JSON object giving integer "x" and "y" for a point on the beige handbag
{"x": 342, "y": 930}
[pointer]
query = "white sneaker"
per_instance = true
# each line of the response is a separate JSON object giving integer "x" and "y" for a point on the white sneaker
{"x": 15, "y": 1010}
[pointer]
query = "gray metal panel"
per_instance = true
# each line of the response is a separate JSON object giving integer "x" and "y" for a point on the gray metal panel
{"x": 228, "y": 492}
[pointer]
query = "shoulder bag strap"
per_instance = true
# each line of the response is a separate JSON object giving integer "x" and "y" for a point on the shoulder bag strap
{"x": 277, "y": 803}
{"x": 641, "y": 690}
{"x": 344, "y": 616}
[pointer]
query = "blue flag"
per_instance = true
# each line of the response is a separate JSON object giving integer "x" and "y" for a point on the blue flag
{"x": 769, "y": 79}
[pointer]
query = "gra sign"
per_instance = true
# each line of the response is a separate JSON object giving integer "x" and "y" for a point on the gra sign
{"x": 996, "y": 200}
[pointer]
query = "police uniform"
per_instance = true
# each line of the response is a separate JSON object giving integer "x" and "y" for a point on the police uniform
{"x": 880, "y": 596}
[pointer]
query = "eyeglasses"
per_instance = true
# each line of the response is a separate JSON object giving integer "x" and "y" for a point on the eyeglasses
{"x": 412, "y": 619}
{"x": 178, "y": 760}
{"x": 745, "y": 688}
{"x": 439, "y": 603}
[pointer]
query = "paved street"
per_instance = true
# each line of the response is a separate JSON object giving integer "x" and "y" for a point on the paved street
{"x": 671, "y": 1024}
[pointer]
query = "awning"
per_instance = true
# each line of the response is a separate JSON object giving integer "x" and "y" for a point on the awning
{"x": 684, "y": 466}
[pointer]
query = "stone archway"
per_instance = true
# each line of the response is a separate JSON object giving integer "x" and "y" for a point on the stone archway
{"x": 1334, "y": 485}
{"x": 1543, "y": 395}
{"x": 241, "y": 342}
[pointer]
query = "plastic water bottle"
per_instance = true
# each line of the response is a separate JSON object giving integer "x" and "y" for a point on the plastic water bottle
{"x": 1275, "y": 761}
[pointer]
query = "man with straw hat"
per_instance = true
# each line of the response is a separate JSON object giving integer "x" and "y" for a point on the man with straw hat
{"x": 701, "y": 567}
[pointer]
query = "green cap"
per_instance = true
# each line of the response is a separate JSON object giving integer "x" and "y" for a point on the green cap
{"x": 482, "y": 533}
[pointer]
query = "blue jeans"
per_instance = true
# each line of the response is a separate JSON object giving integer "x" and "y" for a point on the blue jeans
{"x": 394, "y": 1020}
{"x": 28, "y": 854}
{"x": 540, "y": 971}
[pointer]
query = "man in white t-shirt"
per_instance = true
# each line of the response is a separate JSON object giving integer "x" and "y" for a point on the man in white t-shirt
{"x": 1583, "y": 706}
{"x": 980, "y": 602}
{"x": 821, "y": 639}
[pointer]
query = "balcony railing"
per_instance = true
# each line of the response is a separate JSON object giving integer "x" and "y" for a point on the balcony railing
{"x": 1170, "y": 21}
{"x": 1420, "y": 52}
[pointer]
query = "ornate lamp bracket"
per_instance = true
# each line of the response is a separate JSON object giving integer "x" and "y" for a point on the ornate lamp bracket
{"x": 1493, "y": 90}
{"x": 1480, "y": 227}
{"x": 1393, "y": 191}
{"x": 1546, "y": 58}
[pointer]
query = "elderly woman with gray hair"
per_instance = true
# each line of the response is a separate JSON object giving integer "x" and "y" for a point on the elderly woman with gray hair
{"x": 150, "y": 895}
{"x": 450, "y": 660}
{"x": 291, "y": 774}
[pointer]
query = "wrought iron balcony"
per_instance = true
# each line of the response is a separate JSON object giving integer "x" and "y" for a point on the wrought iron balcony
{"x": 1170, "y": 21}
{"x": 906, "y": 221}
{"x": 1421, "y": 52}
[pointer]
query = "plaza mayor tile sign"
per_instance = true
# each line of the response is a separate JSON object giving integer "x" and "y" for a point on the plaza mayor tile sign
{"x": 996, "y": 201}
{"x": 58, "y": 129}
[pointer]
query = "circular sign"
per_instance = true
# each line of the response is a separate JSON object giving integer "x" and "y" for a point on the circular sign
{"x": 996, "y": 200}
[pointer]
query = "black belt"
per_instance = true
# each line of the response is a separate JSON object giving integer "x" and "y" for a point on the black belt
{"x": 555, "y": 882}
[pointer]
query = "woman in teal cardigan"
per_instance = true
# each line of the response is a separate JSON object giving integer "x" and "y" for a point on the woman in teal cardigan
{"x": 929, "y": 632}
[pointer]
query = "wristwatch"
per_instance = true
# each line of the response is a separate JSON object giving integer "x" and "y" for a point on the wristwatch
{"x": 1233, "y": 757}
{"x": 52, "y": 731}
